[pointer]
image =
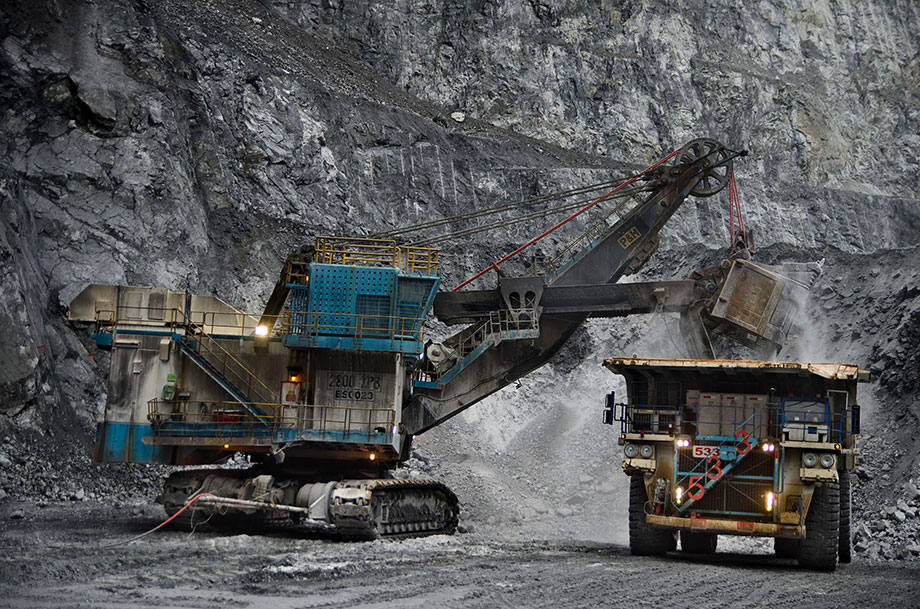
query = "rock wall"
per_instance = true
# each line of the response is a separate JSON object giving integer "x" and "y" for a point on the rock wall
{"x": 824, "y": 94}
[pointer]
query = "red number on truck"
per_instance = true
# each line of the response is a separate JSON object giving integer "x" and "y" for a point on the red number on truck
{"x": 714, "y": 467}
{"x": 695, "y": 484}
{"x": 744, "y": 446}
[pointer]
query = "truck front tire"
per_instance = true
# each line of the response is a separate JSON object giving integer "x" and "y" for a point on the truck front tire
{"x": 643, "y": 539}
{"x": 822, "y": 530}
{"x": 845, "y": 550}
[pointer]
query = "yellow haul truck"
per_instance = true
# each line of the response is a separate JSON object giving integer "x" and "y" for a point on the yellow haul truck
{"x": 720, "y": 447}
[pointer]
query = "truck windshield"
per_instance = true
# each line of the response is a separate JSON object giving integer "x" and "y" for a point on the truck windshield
{"x": 805, "y": 411}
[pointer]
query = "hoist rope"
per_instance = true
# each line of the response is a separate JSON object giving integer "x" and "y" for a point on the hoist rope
{"x": 514, "y": 220}
{"x": 479, "y": 213}
{"x": 591, "y": 205}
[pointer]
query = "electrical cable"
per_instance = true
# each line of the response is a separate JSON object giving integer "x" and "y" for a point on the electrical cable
{"x": 161, "y": 525}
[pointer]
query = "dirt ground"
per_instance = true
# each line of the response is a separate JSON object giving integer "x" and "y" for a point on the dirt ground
{"x": 59, "y": 556}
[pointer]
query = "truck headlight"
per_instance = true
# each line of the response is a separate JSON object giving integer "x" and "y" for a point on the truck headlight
{"x": 827, "y": 461}
{"x": 809, "y": 459}
{"x": 646, "y": 451}
{"x": 631, "y": 451}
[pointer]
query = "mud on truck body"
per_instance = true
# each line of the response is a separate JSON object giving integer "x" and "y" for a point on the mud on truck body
{"x": 719, "y": 447}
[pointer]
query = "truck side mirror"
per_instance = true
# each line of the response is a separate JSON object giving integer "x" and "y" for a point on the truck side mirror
{"x": 854, "y": 422}
{"x": 608, "y": 408}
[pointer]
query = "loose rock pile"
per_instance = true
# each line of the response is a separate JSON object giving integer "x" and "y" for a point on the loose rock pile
{"x": 894, "y": 532}
{"x": 37, "y": 472}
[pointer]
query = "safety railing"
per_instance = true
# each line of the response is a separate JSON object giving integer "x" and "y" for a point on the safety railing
{"x": 651, "y": 419}
{"x": 354, "y": 251}
{"x": 298, "y": 272}
{"x": 234, "y": 323}
{"x": 768, "y": 420}
{"x": 225, "y": 324}
{"x": 374, "y": 252}
{"x": 698, "y": 420}
{"x": 187, "y": 418}
{"x": 420, "y": 260}
{"x": 109, "y": 318}
{"x": 500, "y": 325}
{"x": 355, "y": 326}
{"x": 227, "y": 365}
{"x": 836, "y": 427}
{"x": 221, "y": 324}
{"x": 206, "y": 324}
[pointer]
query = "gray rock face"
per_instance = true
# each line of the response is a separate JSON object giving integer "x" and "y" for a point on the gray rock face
{"x": 195, "y": 144}
{"x": 824, "y": 95}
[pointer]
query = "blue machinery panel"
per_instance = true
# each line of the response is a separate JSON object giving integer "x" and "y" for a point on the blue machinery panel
{"x": 123, "y": 442}
{"x": 369, "y": 307}
{"x": 360, "y": 307}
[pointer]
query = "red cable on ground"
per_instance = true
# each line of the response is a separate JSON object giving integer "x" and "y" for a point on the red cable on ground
{"x": 600, "y": 199}
{"x": 164, "y": 523}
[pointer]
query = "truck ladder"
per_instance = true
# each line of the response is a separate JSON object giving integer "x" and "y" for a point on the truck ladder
{"x": 702, "y": 468}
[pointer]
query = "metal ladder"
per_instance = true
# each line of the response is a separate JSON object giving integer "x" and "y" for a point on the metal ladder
{"x": 702, "y": 468}
{"x": 500, "y": 326}
{"x": 225, "y": 370}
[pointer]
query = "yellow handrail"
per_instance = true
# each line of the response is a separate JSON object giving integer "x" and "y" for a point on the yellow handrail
{"x": 375, "y": 252}
{"x": 238, "y": 369}
{"x": 341, "y": 250}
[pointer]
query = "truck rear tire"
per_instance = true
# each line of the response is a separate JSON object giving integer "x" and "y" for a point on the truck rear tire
{"x": 643, "y": 539}
{"x": 698, "y": 543}
{"x": 822, "y": 530}
{"x": 786, "y": 548}
{"x": 845, "y": 550}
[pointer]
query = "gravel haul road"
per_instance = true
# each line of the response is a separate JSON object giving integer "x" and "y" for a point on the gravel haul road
{"x": 57, "y": 557}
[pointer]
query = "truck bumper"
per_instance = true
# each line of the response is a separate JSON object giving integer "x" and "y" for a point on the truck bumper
{"x": 727, "y": 527}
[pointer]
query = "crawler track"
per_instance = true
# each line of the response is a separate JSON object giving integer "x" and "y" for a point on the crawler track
{"x": 355, "y": 509}
{"x": 397, "y": 507}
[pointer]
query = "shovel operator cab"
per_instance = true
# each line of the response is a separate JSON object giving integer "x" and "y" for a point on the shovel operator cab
{"x": 718, "y": 447}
